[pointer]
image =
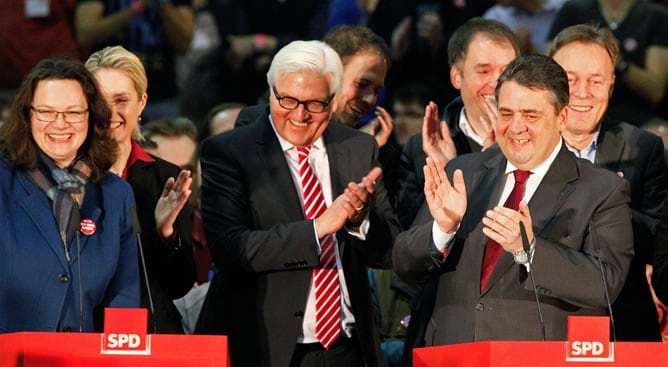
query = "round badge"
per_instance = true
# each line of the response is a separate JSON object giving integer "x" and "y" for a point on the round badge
{"x": 87, "y": 226}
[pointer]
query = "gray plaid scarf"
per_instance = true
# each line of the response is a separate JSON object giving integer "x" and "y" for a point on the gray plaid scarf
{"x": 66, "y": 190}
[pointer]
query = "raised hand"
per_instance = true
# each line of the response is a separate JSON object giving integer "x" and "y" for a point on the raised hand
{"x": 400, "y": 41}
{"x": 447, "y": 202}
{"x": 488, "y": 121}
{"x": 174, "y": 197}
{"x": 350, "y": 206}
{"x": 437, "y": 143}
{"x": 430, "y": 27}
{"x": 384, "y": 127}
{"x": 381, "y": 127}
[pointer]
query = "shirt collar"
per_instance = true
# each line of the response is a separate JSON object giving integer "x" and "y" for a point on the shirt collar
{"x": 465, "y": 127}
{"x": 589, "y": 152}
{"x": 136, "y": 154}
{"x": 542, "y": 168}
{"x": 286, "y": 146}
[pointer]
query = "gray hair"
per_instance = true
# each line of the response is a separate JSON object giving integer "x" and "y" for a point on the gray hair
{"x": 313, "y": 56}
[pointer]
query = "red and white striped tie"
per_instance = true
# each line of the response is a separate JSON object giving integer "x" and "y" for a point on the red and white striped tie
{"x": 326, "y": 278}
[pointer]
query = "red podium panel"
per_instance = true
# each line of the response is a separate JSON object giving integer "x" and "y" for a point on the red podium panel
{"x": 124, "y": 343}
{"x": 38, "y": 349}
{"x": 588, "y": 345}
{"x": 535, "y": 354}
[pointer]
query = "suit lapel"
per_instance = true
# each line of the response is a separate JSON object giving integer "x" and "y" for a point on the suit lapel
{"x": 553, "y": 191}
{"x": 610, "y": 146}
{"x": 551, "y": 194}
{"x": 33, "y": 204}
{"x": 339, "y": 170}
{"x": 91, "y": 209}
{"x": 270, "y": 154}
{"x": 484, "y": 195}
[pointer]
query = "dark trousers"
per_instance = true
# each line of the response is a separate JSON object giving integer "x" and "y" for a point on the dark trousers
{"x": 344, "y": 352}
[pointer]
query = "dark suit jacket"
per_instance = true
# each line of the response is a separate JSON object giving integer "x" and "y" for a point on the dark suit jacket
{"x": 265, "y": 250}
{"x": 638, "y": 154}
{"x": 171, "y": 271}
{"x": 572, "y": 195}
{"x": 660, "y": 276}
{"x": 250, "y": 114}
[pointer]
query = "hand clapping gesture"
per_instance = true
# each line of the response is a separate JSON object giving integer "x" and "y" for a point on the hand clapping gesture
{"x": 349, "y": 207}
{"x": 174, "y": 197}
{"x": 381, "y": 127}
{"x": 437, "y": 143}
{"x": 447, "y": 202}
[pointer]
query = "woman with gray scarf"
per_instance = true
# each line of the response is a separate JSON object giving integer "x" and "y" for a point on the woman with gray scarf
{"x": 67, "y": 247}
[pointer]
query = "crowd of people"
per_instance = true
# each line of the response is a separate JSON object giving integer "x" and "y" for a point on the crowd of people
{"x": 357, "y": 180}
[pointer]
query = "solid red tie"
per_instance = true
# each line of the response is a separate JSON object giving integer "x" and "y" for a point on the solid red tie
{"x": 493, "y": 250}
{"x": 326, "y": 278}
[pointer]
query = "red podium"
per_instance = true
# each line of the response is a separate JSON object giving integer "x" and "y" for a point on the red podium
{"x": 585, "y": 347}
{"x": 122, "y": 344}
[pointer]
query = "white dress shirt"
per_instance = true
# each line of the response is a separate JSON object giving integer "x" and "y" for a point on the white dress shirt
{"x": 320, "y": 164}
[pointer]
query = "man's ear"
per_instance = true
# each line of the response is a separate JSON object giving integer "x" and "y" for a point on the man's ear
{"x": 456, "y": 77}
{"x": 563, "y": 118}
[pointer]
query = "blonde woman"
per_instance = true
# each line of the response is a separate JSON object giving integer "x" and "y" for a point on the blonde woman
{"x": 161, "y": 191}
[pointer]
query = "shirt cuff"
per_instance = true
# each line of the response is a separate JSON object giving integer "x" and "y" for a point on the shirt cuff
{"x": 317, "y": 238}
{"x": 532, "y": 250}
{"x": 362, "y": 230}
{"x": 441, "y": 239}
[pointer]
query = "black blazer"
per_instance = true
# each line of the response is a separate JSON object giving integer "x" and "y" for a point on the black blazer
{"x": 171, "y": 271}
{"x": 639, "y": 155}
{"x": 265, "y": 250}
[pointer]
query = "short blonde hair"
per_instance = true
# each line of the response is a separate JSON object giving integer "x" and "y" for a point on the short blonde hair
{"x": 117, "y": 57}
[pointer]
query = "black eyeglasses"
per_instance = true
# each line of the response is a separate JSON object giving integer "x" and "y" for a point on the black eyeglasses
{"x": 72, "y": 117}
{"x": 312, "y": 105}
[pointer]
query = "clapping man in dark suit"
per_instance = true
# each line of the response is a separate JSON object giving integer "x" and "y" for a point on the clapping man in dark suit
{"x": 588, "y": 55}
{"x": 478, "y": 52}
{"x": 287, "y": 201}
{"x": 467, "y": 235}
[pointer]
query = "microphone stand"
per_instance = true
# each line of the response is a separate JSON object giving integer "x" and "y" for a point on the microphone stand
{"x": 597, "y": 249}
{"x": 527, "y": 249}
{"x": 137, "y": 229}
{"x": 76, "y": 218}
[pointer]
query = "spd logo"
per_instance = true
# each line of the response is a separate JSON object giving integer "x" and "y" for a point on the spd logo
{"x": 589, "y": 339}
{"x": 125, "y": 332}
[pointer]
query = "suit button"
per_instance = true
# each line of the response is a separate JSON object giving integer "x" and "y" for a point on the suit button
{"x": 299, "y": 315}
{"x": 64, "y": 278}
{"x": 479, "y": 307}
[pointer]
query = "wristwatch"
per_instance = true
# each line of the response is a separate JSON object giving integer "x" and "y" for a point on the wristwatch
{"x": 521, "y": 257}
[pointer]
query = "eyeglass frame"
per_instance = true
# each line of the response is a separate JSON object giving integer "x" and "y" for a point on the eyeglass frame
{"x": 38, "y": 112}
{"x": 280, "y": 98}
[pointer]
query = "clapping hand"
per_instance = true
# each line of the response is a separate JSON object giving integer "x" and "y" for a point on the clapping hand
{"x": 350, "y": 206}
{"x": 447, "y": 202}
{"x": 437, "y": 143}
{"x": 381, "y": 127}
{"x": 174, "y": 197}
{"x": 488, "y": 121}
